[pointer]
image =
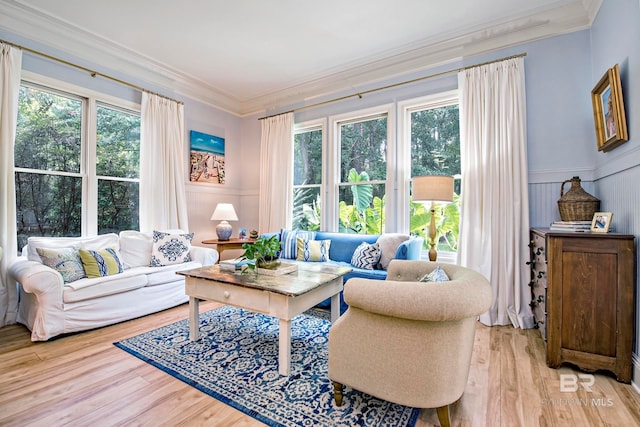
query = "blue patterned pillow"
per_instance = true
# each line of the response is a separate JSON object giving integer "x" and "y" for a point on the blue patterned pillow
{"x": 170, "y": 248}
{"x": 437, "y": 275}
{"x": 313, "y": 250}
{"x": 366, "y": 256}
{"x": 289, "y": 244}
{"x": 65, "y": 261}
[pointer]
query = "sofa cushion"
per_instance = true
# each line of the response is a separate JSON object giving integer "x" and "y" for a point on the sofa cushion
{"x": 313, "y": 250}
{"x": 90, "y": 242}
{"x": 366, "y": 256}
{"x": 169, "y": 248}
{"x": 344, "y": 244}
{"x": 87, "y": 289}
{"x": 389, "y": 243}
{"x": 101, "y": 262}
{"x": 161, "y": 275}
{"x": 289, "y": 243}
{"x": 135, "y": 248}
{"x": 65, "y": 261}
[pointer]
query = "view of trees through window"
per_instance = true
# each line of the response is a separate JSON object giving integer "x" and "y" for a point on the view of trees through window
{"x": 53, "y": 173}
{"x": 363, "y": 174}
{"x": 435, "y": 150}
{"x": 434, "y": 139}
{"x": 307, "y": 179}
{"x": 117, "y": 167}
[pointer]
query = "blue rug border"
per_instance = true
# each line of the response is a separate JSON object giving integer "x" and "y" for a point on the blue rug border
{"x": 415, "y": 413}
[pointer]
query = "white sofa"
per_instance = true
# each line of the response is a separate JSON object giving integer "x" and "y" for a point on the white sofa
{"x": 49, "y": 306}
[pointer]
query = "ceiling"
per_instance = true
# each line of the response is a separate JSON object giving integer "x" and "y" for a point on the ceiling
{"x": 248, "y": 56}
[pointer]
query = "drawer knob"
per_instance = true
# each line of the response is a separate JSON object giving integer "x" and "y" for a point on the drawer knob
{"x": 226, "y": 294}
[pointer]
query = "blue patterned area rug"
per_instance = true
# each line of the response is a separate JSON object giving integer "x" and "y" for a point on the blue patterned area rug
{"x": 236, "y": 362}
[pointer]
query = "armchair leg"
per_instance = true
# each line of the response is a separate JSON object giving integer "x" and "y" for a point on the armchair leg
{"x": 337, "y": 393}
{"x": 443, "y": 416}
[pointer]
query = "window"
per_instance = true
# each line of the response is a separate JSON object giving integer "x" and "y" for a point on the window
{"x": 435, "y": 150}
{"x": 307, "y": 178}
{"x": 117, "y": 169}
{"x": 70, "y": 181}
{"x": 363, "y": 173}
{"x": 369, "y": 162}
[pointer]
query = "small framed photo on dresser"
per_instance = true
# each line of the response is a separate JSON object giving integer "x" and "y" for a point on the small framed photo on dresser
{"x": 601, "y": 222}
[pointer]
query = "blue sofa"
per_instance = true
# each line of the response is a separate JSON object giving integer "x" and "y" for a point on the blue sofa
{"x": 341, "y": 250}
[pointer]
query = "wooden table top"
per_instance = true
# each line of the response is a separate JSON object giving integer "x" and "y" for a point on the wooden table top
{"x": 308, "y": 277}
{"x": 231, "y": 240}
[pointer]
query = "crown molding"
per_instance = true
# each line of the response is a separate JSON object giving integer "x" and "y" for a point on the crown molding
{"x": 432, "y": 53}
{"x": 88, "y": 49}
{"x": 72, "y": 43}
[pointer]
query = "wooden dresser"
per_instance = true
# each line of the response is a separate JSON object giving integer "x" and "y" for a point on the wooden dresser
{"x": 582, "y": 290}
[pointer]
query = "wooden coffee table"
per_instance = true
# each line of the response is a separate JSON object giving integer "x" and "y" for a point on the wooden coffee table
{"x": 284, "y": 296}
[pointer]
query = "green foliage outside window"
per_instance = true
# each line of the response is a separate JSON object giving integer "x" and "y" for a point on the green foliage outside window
{"x": 50, "y": 179}
{"x": 435, "y": 150}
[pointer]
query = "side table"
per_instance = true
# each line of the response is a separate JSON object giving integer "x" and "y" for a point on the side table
{"x": 232, "y": 243}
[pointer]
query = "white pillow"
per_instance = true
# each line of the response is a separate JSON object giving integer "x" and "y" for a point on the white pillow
{"x": 135, "y": 248}
{"x": 169, "y": 249}
{"x": 389, "y": 243}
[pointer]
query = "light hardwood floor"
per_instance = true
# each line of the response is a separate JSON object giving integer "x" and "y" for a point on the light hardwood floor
{"x": 84, "y": 380}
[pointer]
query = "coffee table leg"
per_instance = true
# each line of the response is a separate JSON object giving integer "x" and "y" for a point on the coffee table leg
{"x": 284, "y": 347}
{"x": 335, "y": 307}
{"x": 194, "y": 319}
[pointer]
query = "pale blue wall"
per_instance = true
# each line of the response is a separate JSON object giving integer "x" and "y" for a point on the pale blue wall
{"x": 560, "y": 132}
{"x": 615, "y": 38}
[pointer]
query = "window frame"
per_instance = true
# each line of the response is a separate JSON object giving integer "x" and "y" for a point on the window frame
{"x": 90, "y": 99}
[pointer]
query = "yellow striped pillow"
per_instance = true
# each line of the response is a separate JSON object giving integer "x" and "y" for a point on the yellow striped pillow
{"x": 100, "y": 263}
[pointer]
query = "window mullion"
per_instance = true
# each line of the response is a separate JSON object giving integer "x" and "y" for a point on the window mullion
{"x": 90, "y": 181}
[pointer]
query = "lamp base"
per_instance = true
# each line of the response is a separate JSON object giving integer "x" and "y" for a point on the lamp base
{"x": 223, "y": 230}
{"x": 433, "y": 254}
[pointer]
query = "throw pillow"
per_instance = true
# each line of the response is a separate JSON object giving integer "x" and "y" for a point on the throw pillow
{"x": 100, "y": 263}
{"x": 437, "y": 275}
{"x": 389, "y": 243}
{"x": 366, "y": 256}
{"x": 313, "y": 250}
{"x": 289, "y": 244}
{"x": 169, "y": 249}
{"x": 65, "y": 261}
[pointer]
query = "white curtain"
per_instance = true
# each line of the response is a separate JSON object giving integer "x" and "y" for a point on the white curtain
{"x": 276, "y": 176}
{"x": 163, "y": 202}
{"x": 494, "y": 229}
{"x": 10, "y": 66}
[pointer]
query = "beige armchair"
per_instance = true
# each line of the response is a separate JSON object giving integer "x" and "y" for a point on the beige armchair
{"x": 406, "y": 341}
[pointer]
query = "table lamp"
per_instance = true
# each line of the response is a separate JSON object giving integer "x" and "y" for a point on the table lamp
{"x": 224, "y": 212}
{"x": 434, "y": 188}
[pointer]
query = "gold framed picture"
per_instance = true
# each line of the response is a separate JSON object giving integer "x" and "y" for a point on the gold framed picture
{"x": 608, "y": 111}
{"x": 601, "y": 222}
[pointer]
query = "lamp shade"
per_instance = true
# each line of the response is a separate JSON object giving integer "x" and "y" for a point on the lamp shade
{"x": 224, "y": 212}
{"x": 432, "y": 188}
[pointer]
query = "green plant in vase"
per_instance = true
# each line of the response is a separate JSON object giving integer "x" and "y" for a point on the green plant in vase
{"x": 265, "y": 252}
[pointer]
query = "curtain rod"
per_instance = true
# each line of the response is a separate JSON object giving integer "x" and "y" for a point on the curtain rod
{"x": 91, "y": 72}
{"x": 359, "y": 94}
